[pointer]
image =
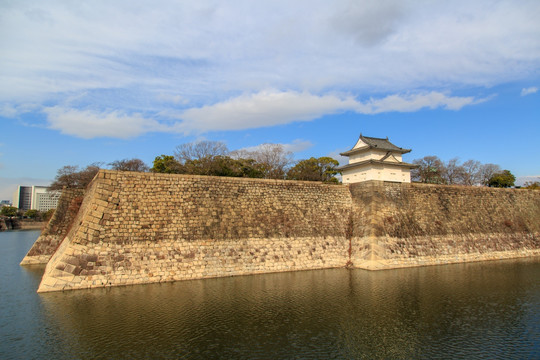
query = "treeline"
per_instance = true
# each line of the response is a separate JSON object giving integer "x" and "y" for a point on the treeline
{"x": 11, "y": 211}
{"x": 273, "y": 161}
{"x": 213, "y": 158}
{"x": 433, "y": 170}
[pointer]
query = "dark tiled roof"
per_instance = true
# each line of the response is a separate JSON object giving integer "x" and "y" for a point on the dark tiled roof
{"x": 377, "y": 143}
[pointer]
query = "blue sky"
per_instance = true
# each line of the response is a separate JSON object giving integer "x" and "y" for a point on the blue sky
{"x": 83, "y": 82}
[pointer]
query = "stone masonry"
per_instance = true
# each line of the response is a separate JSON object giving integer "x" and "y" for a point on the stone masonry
{"x": 56, "y": 229}
{"x": 420, "y": 224}
{"x": 136, "y": 228}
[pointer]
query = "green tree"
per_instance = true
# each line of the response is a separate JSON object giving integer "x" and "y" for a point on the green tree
{"x": 9, "y": 211}
{"x": 315, "y": 169}
{"x": 167, "y": 164}
{"x": 33, "y": 214}
{"x": 502, "y": 179}
{"x": 48, "y": 214}
{"x": 224, "y": 166}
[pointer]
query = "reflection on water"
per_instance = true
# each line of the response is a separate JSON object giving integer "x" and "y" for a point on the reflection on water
{"x": 481, "y": 310}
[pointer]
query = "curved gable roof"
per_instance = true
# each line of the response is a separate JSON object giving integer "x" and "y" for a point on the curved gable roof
{"x": 375, "y": 143}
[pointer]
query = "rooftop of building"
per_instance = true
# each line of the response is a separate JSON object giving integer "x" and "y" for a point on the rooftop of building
{"x": 375, "y": 143}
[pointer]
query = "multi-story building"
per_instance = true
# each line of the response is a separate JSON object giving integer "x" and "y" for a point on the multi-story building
{"x": 35, "y": 198}
{"x": 375, "y": 159}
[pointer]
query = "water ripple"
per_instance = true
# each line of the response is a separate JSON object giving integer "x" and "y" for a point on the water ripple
{"x": 481, "y": 310}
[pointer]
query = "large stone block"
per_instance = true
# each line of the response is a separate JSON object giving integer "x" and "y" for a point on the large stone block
{"x": 135, "y": 228}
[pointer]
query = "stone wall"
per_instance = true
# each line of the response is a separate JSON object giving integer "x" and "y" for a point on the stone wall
{"x": 56, "y": 229}
{"x": 135, "y": 228}
{"x": 421, "y": 224}
{"x": 139, "y": 227}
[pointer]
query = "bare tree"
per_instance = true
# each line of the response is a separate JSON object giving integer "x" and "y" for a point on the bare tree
{"x": 65, "y": 176}
{"x": 273, "y": 158}
{"x": 129, "y": 165}
{"x": 472, "y": 174}
{"x": 453, "y": 173}
{"x": 69, "y": 176}
{"x": 430, "y": 170}
{"x": 487, "y": 171}
{"x": 200, "y": 150}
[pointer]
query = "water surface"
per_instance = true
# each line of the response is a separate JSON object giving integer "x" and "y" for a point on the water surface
{"x": 487, "y": 310}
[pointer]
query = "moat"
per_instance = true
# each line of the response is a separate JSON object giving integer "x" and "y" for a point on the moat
{"x": 472, "y": 310}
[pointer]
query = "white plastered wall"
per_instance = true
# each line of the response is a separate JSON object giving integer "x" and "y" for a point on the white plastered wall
{"x": 377, "y": 172}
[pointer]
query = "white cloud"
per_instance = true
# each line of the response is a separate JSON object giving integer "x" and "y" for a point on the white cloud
{"x": 263, "y": 109}
{"x": 203, "y": 52}
{"x": 13, "y": 110}
{"x": 9, "y": 185}
{"x": 175, "y": 99}
{"x": 270, "y": 108}
{"x": 88, "y": 124}
{"x": 296, "y": 146}
{"x": 520, "y": 180}
{"x": 343, "y": 160}
{"x": 8, "y": 110}
{"x": 415, "y": 102}
{"x": 369, "y": 23}
{"x": 528, "y": 91}
{"x": 191, "y": 60}
{"x": 266, "y": 108}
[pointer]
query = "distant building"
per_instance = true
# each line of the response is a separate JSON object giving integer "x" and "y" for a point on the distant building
{"x": 5, "y": 203}
{"x": 375, "y": 159}
{"x": 35, "y": 198}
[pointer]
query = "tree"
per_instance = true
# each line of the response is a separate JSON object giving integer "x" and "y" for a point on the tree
{"x": 202, "y": 157}
{"x": 33, "y": 214}
{"x": 471, "y": 172}
{"x": 129, "y": 165}
{"x": 69, "y": 176}
{"x": 453, "y": 173}
{"x": 48, "y": 214}
{"x": 487, "y": 171}
{"x": 532, "y": 185}
{"x": 167, "y": 164}
{"x": 9, "y": 211}
{"x": 430, "y": 170}
{"x": 503, "y": 179}
{"x": 314, "y": 169}
{"x": 225, "y": 166}
{"x": 65, "y": 176}
{"x": 273, "y": 158}
{"x": 200, "y": 150}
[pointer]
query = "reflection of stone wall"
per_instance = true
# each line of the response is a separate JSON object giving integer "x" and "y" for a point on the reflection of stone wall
{"x": 139, "y": 228}
{"x": 419, "y": 224}
{"x": 135, "y": 228}
{"x": 7, "y": 223}
{"x": 56, "y": 228}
